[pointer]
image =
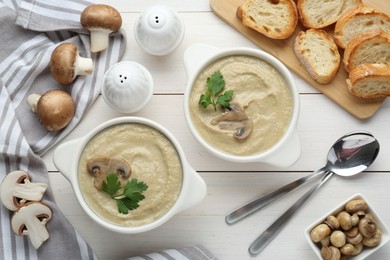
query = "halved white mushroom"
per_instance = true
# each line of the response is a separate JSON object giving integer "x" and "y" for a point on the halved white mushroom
{"x": 100, "y": 167}
{"x": 235, "y": 119}
{"x": 16, "y": 190}
{"x": 30, "y": 220}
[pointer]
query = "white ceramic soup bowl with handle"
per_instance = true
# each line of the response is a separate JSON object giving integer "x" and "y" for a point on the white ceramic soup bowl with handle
{"x": 287, "y": 149}
{"x": 67, "y": 157}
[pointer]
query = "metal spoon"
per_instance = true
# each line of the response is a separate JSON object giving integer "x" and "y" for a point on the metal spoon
{"x": 350, "y": 155}
{"x": 259, "y": 203}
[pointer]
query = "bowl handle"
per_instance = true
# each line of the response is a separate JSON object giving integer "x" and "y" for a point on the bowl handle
{"x": 287, "y": 155}
{"x": 195, "y": 54}
{"x": 64, "y": 156}
{"x": 196, "y": 191}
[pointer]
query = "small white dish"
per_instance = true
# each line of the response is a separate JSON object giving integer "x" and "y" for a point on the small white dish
{"x": 366, "y": 251}
{"x": 127, "y": 87}
{"x": 159, "y": 30}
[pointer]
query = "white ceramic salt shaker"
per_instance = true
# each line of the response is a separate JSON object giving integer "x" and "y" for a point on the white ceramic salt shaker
{"x": 159, "y": 30}
{"x": 127, "y": 87}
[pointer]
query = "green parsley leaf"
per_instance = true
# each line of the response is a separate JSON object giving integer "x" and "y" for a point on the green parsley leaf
{"x": 215, "y": 84}
{"x": 224, "y": 100}
{"x": 131, "y": 195}
{"x": 112, "y": 184}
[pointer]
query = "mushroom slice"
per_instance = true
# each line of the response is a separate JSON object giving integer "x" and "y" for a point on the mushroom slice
{"x": 100, "y": 20}
{"x": 30, "y": 220}
{"x": 66, "y": 63}
{"x": 55, "y": 108}
{"x": 16, "y": 190}
{"x": 235, "y": 119}
{"x": 100, "y": 167}
{"x": 243, "y": 132}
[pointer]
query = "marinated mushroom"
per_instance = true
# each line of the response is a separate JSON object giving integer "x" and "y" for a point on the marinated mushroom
{"x": 347, "y": 249}
{"x": 17, "y": 190}
{"x": 319, "y": 232}
{"x": 66, "y": 63}
{"x": 345, "y": 220}
{"x": 367, "y": 227}
{"x": 354, "y": 206}
{"x": 100, "y": 20}
{"x": 374, "y": 240}
{"x": 234, "y": 119}
{"x": 100, "y": 167}
{"x": 330, "y": 253}
{"x": 30, "y": 220}
{"x": 55, "y": 108}
{"x": 332, "y": 222}
{"x": 338, "y": 238}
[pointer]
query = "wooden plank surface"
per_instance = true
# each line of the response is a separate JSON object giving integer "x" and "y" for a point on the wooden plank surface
{"x": 283, "y": 49}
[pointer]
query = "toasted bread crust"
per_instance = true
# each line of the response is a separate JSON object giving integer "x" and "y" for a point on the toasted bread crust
{"x": 358, "y": 19}
{"x": 270, "y": 24}
{"x": 313, "y": 67}
{"x": 328, "y": 13}
{"x": 363, "y": 80}
{"x": 356, "y": 44}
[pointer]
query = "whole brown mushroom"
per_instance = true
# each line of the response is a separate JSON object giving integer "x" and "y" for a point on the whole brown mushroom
{"x": 100, "y": 20}
{"x": 66, "y": 63}
{"x": 55, "y": 108}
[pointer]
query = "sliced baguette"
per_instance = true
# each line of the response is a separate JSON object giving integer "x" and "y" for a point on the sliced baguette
{"x": 318, "y": 53}
{"x": 275, "y": 19}
{"x": 321, "y": 13}
{"x": 370, "y": 80}
{"x": 370, "y": 47}
{"x": 357, "y": 20}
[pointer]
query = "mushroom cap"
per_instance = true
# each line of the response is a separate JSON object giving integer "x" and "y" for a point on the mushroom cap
{"x": 55, "y": 109}
{"x": 62, "y": 63}
{"x": 101, "y": 16}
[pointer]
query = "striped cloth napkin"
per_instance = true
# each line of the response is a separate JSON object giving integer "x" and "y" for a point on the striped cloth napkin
{"x": 29, "y": 31}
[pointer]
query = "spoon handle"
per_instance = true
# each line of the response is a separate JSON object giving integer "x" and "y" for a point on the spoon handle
{"x": 257, "y": 204}
{"x": 265, "y": 238}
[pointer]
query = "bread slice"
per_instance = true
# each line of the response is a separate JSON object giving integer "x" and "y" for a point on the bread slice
{"x": 357, "y": 20}
{"x": 321, "y": 13}
{"x": 276, "y": 19}
{"x": 318, "y": 53}
{"x": 370, "y": 47}
{"x": 370, "y": 80}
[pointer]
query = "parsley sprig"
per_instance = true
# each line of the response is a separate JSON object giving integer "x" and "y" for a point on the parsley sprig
{"x": 215, "y": 84}
{"x": 131, "y": 195}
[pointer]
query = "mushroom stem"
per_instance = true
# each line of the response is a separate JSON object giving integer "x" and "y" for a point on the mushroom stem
{"x": 37, "y": 231}
{"x": 32, "y": 101}
{"x": 83, "y": 66}
{"x": 99, "y": 39}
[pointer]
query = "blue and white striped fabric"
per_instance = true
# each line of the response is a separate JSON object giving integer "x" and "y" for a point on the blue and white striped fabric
{"x": 30, "y": 30}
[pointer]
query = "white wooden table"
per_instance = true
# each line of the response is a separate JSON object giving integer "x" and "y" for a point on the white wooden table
{"x": 321, "y": 122}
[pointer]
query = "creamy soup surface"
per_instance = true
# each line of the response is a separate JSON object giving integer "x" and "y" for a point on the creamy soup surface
{"x": 259, "y": 89}
{"x": 153, "y": 160}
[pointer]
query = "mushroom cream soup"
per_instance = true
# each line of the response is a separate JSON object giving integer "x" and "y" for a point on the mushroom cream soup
{"x": 262, "y": 94}
{"x": 152, "y": 159}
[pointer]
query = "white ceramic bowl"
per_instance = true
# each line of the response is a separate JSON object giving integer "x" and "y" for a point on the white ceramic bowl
{"x": 67, "y": 155}
{"x": 127, "y": 87}
{"x": 283, "y": 153}
{"x": 159, "y": 30}
{"x": 366, "y": 251}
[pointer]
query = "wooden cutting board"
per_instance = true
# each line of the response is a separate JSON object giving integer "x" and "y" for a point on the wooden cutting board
{"x": 283, "y": 49}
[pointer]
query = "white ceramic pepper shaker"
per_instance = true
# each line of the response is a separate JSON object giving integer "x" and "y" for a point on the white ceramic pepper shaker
{"x": 127, "y": 87}
{"x": 159, "y": 30}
